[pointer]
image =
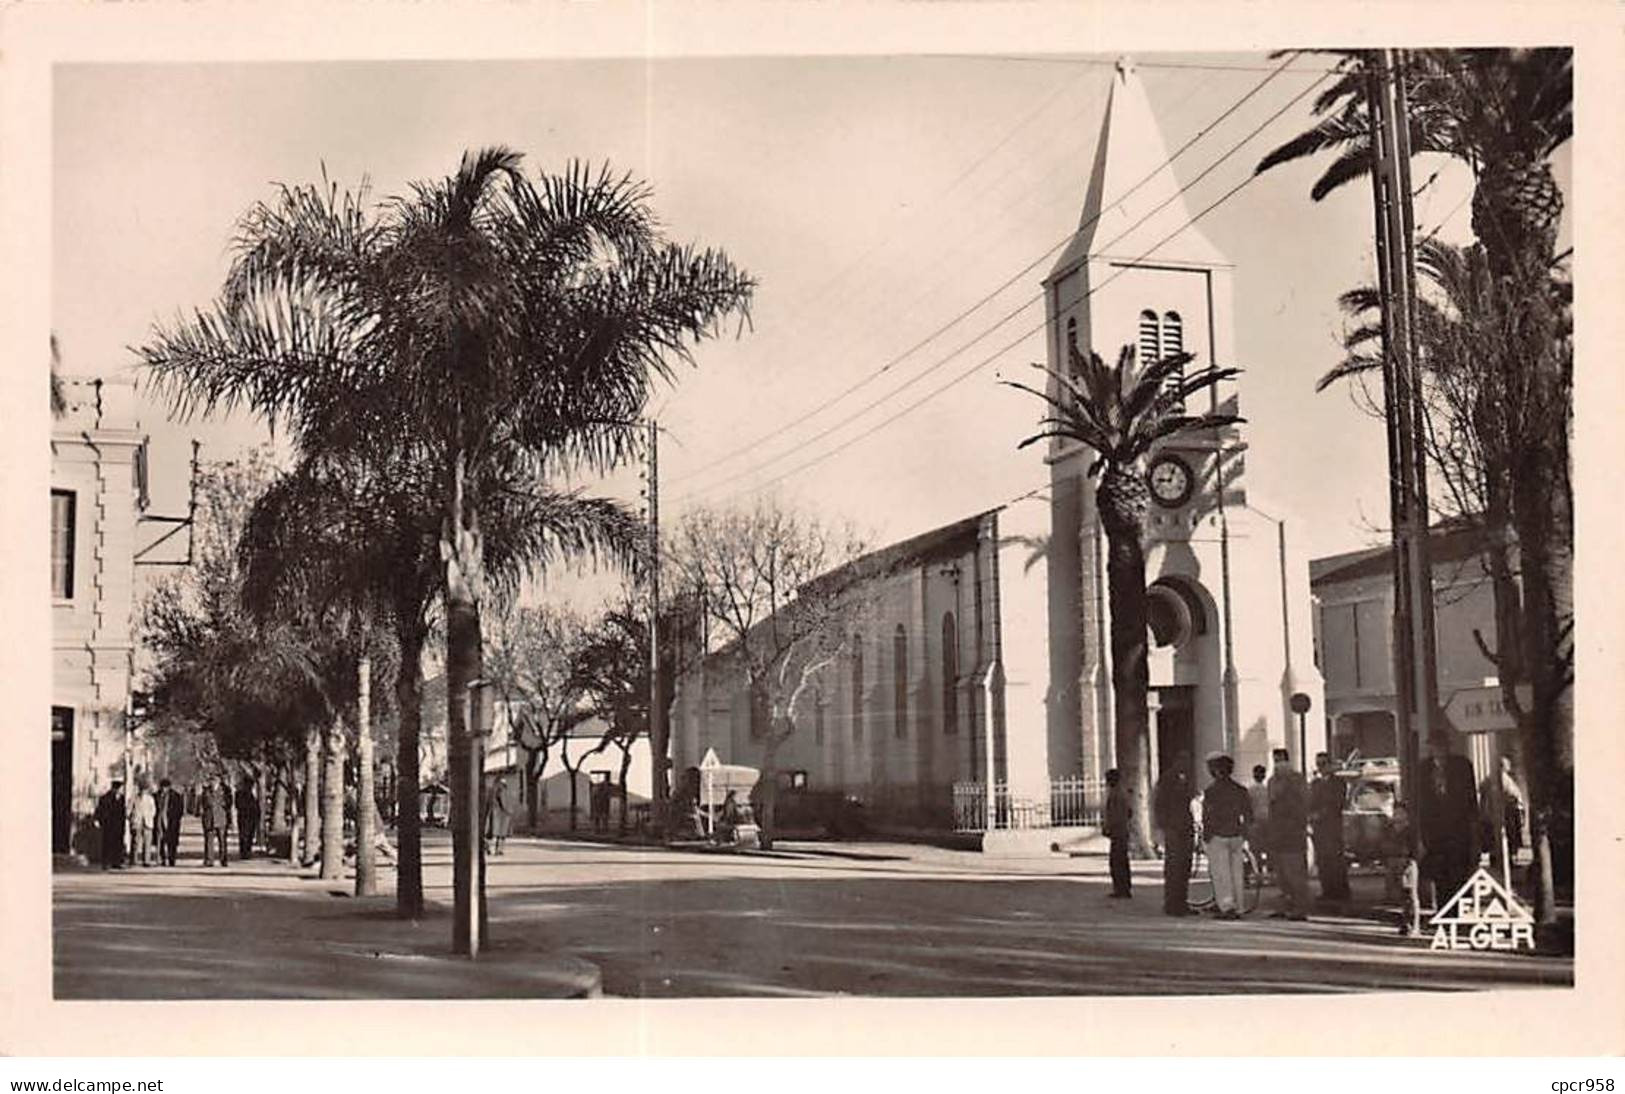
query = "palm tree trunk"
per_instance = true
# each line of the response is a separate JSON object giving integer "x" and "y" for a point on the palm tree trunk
{"x": 464, "y": 572}
{"x": 366, "y": 827}
{"x": 1131, "y": 674}
{"x": 408, "y": 783}
{"x": 313, "y": 791}
{"x": 333, "y": 800}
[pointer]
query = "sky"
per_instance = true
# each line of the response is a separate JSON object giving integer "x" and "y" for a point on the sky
{"x": 873, "y": 199}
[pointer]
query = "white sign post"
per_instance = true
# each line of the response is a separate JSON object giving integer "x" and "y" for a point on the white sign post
{"x": 708, "y": 772}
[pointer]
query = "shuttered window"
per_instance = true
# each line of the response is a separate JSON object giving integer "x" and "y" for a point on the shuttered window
{"x": 62, "y": 536}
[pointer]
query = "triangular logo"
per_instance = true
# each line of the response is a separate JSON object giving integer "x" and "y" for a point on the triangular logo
{"x": 1483, "y": 899}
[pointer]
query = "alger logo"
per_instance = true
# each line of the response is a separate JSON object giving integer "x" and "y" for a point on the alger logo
{"x": 1483, "y": 916}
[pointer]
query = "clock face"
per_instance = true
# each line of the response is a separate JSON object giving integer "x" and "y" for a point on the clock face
{"x": 1171, "y": 481}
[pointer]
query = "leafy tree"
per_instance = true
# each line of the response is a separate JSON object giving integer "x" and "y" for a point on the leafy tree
{"x": 780, "y": 593}
{"x": 611, "y": 666}
{"x": 505, "y": 332}
{"x": 1122, "y": 412}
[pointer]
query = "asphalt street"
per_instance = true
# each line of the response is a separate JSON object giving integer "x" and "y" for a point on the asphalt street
{"x": 808, "y": 919}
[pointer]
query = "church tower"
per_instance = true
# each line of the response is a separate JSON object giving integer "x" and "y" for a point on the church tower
{"x": 1138, "y": 272}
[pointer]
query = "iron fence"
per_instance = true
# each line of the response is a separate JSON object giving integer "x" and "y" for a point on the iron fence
{"x": 1073, "y": 802}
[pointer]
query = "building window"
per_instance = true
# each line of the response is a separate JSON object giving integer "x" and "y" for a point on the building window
{"x": 950, "y": 674}
{"x": 1071, "y": 346}
{"x": 1150, "y": 338}
{"x": 899, "y": 655}
{"x": 857, "y": 687}
{"x": 798, "y": 780}
{"x": 62, "y": 536}
{"x": 1173, "y": 343}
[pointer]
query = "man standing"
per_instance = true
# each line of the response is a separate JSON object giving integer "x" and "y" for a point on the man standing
{"x": 1326, "y": 797}
{"x": 1288, "y": 832}
{"x": 1501, "y": 799}
{"x": 248, "y": 817}
{"x": 216, "y": 816}
{"x": 143, "y": 815}
{"x": 170, "y": 809}
{"x": 110, "y": 822}
{"x": 1115, "y": 827}
{"x": 1227, "y": 812}
{"x": 1178, "y": 827}
{"x": 1449, "y": 821}
{"x": 1258, "y": 795}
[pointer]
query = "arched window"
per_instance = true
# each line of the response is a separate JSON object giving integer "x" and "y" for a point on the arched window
{"x": 857, "y": 687}
{"x": 1071, "y": 346}
{"x": 899, "y": 656}
{"x": 1150, "y": 338}
{"x": 1173, "y": 342}
{"x": 950, "y": 674}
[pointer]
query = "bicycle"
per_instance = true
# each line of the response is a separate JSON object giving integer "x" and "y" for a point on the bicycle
{"x": 1200, "y": 896}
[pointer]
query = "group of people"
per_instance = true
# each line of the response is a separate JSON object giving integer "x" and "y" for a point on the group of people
{"x": 1281, "y": 816}
{"x": 141, "y": 824}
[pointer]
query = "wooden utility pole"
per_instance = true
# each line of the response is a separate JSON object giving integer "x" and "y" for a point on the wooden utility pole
{"x": 1415, "y": 674}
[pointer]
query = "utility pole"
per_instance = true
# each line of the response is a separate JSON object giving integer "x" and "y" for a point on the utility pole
{"x": 659, "y": 730}
{"x": 1415, "y": 672}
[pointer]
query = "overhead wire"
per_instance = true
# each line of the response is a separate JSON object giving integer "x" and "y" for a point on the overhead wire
{"x": 989, "y": 359}
{"x": 979, "y": 303}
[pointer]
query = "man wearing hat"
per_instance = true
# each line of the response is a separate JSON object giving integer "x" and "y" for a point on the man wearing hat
{"x": 110, "y": 819}
{"x": 1449, "y": 821}
{"x": 1227, "y": 811}
{"x": 1172, "y": 803}
{"x": 1327, "y": 795}
{"x": 1288, "y": 833}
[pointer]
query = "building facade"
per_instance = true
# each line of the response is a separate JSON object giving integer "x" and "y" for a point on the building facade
{"x": 987, "y": 647}
{"x": 1354, "y": 612}
{"x": 96, "y": 457}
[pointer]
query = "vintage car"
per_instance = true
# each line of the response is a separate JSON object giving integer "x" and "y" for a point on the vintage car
{"x": 1373, "y": 787}
{"x": 800, "y": 812}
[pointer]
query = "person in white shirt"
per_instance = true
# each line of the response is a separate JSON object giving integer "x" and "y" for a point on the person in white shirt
{"x": 143, "y": 814}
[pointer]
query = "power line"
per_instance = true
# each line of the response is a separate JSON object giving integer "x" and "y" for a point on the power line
{"x": 985, "y": 361}
{"x": 1013, "y": 279}
{"x": 1100, "y": 61}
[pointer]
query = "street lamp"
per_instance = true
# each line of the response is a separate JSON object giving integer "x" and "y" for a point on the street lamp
{"x": 1300, "y": 706}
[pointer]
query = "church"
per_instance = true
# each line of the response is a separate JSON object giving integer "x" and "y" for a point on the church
{"x": 983, "y": 649}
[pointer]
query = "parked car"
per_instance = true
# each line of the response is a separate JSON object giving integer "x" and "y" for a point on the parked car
{"x": 1373, "y": 787}
{"x": 800, "y": 811}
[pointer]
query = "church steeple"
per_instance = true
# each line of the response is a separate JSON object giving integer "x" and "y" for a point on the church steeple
{"x": 1133, "y": 202}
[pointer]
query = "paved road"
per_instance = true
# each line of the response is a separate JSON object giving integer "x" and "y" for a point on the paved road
{"x": 809, "y": 919}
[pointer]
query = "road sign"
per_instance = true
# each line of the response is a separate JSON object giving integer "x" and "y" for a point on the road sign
{"x": 711, "y": 761}
{"x": 1480, "y": 710}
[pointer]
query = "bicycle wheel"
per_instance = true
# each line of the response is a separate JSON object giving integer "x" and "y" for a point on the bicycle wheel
{"x": 1252, "y": 881}
{"x": 1199, "y": 893}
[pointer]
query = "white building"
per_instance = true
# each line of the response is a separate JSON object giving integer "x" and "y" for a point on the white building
{"x": 96, "y": 453}
{"x": 986, "y": 644}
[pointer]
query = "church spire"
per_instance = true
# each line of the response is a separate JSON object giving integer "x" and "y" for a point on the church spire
{"x": 1132, "y": 203}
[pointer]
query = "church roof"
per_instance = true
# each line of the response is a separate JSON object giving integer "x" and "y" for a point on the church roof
{"x": 1133, "y": 208}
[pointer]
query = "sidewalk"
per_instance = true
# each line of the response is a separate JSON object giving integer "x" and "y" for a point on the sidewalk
{"x": 264, "y": 930}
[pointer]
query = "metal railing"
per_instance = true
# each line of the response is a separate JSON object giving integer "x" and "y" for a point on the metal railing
{"x": 1073, "y": 802}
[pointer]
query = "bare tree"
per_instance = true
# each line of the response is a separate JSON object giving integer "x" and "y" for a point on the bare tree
{"x": 530, "y": 660}
{"x": 779, "y": 593}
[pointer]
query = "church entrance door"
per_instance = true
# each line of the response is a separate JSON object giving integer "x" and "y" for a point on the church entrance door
{"x": 1176, "y": 725}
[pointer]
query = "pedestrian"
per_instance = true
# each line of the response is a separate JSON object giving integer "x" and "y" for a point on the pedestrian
{"x": 171, "y": 807}
{"x": 498, "y": 816}
{"x": 143, "y": 817}
{"x": 1227, "y": 813}
{"x": 1173, "y": 815}
{"x": 1259, "y": 795}
{"x": 1399, "y": 860}
{"x": 1288, "y": 836}
{"x": 248, "y": 818}
{"x": 216, "y": 820}
{"x": 110, "y": 823}
{"x": 1327, "y": 795}
{"x": 1500, "y": 796}
{"x": 1116, "y": 822}
{"x": 1449, "y": 822}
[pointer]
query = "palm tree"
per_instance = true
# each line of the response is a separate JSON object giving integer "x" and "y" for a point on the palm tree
{"x": 1487, "y": 411}
{"x": 1501, "y": 111}
{"x": 504, "y": 332}
{"x": 1121, "y": 412}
